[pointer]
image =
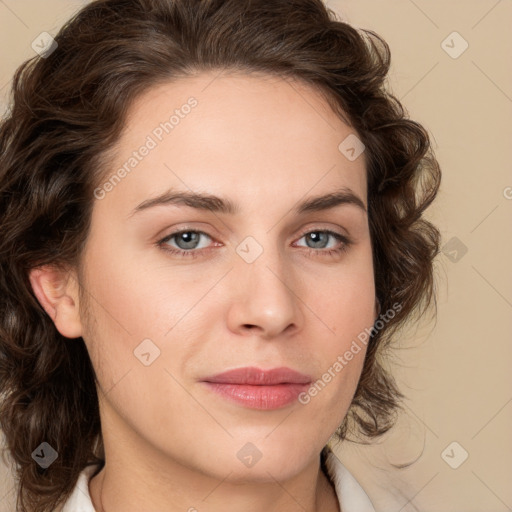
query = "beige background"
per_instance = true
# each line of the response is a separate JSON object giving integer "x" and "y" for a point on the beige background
{"x": 456, "y": 371}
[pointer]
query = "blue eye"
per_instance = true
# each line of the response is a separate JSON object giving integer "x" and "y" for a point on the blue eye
{"x": 187, "y": 241}
{"x": 345, "y": 241}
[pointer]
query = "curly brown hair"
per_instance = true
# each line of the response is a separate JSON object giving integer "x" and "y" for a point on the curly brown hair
{"x": 68, "y": 109}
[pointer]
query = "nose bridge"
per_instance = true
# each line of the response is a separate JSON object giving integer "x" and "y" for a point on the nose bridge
{"x": 263, "y": 266}
{"x": 265, "y": 284}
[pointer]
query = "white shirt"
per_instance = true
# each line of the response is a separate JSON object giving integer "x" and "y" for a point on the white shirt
{"x": 351, "y": 496}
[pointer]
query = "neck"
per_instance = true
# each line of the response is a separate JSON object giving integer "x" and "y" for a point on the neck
{"x": 137, "y": 475}
{"x": 115, "y": 490}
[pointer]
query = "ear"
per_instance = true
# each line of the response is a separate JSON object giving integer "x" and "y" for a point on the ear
{"x": 57, "y": 292}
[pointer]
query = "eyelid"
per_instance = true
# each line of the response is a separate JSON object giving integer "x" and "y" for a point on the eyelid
{"x": 323, "y": 228}
{"x": 338, "y": 230}
{"x": 199, "y": 227}
{"x": 345, "y": 239}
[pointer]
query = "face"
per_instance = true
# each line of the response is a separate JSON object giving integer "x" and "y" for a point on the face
{"x": 181, "y": 290}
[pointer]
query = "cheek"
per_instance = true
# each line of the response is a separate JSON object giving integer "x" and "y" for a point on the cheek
{"x": 344, "y": 311}
{"x": 329, "y": 397}
{"x": 120, "y": 313}
{"x": 128, "y": 301}
{"x": 343, "y": 297}
{"x": 136, "y": 309}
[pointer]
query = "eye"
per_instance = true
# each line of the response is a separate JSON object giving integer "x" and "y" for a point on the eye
{"x": 186, "y": 240}
{"x": 321, "y": 236}
{"x": 188, "y": 243}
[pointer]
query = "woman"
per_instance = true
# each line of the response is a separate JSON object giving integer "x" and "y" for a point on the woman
{"x": 211, "y": 228}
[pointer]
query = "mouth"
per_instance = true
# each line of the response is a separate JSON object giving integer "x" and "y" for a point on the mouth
{"x": 258, "y": 377}
{"x": 259, "y": 389}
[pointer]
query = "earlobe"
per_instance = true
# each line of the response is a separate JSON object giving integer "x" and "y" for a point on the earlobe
{"x": 57, "y": 292}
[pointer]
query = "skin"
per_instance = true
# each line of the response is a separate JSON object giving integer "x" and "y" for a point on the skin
{"x": 170, "y": 443}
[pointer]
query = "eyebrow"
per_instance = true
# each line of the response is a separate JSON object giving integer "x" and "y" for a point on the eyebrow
{"x": 212, "y": 203}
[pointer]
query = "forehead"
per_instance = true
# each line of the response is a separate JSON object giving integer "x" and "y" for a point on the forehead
{"x": 234, "y": 134}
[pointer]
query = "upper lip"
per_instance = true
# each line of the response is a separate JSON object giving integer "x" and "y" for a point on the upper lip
{"x": 257, "y": 376}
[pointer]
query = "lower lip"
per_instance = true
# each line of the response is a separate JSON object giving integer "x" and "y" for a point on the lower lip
{"x": 259, "y": 397}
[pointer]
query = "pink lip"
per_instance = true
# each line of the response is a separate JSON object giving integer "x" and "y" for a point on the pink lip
{"x": 259, "y": 389}
{"x": 258, "y": 377}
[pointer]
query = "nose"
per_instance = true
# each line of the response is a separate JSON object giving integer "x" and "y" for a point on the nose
{"x": 266, "y": 299}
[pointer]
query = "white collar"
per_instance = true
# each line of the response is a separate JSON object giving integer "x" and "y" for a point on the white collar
{"x": 351, "y": 496}
{"x": 80, "y": 499}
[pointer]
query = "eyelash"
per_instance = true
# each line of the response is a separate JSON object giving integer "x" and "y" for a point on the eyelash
{"x": 194, "y": 253}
